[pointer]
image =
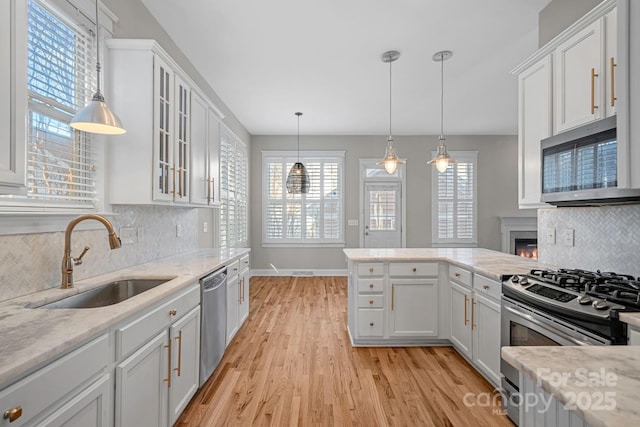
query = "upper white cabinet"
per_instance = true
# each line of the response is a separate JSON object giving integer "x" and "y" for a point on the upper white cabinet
{"x": 13, "y": 96}
{"x": 611, "y": 61}
{"x": 164, "y": 156}
{"x": 534, "y": 123}
{"x": 205, "y": 152}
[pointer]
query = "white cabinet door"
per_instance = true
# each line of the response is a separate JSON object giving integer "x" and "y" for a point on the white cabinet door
{"x": 579, "y": 81}
{"x": 486, "y": 336}
{"x": 534, "y": 124}
{"x": 142, "y": 385}
{"x": 634, "y": 336}
{"x": 243, "y": 308}
{"x": 199, "y": 146}
{"x": 163, "y": 132}
{"x": 13, "y": 96}
{"x": 213, "y": 154}
{"x": 611, "y": 58}
{"x": 461, "y": 318}
{"x": 233, "y": 304}
{"x": 90, "y": 408}
{"x": 182, "y": 135}
{"x": 414, "y": 308}
{"x": 185, "y": 338}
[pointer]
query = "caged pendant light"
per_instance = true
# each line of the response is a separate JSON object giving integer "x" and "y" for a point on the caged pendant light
{"x": 391, "y": 160}
{"x": 442, "y": 159}
{"x": 96, "y": 117}
{"x": 298, "y": 181}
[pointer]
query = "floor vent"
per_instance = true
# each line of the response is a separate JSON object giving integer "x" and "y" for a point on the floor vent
{"x": 302, "y": 273}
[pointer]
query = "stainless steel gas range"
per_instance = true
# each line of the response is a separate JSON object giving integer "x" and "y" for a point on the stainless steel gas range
{"x": 562, "y": 307}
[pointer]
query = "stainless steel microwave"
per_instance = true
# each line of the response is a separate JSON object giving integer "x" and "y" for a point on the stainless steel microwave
{"x": 580, "y": 167}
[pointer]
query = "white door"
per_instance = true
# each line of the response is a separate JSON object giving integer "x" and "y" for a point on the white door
{"x": 486, "y": 336}
{"x": 382, "y": 215}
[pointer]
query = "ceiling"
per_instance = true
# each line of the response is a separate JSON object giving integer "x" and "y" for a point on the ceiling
{"x": 268, "y": 59}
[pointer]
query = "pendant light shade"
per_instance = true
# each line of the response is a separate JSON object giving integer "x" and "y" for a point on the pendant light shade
{"x": 298, "y": 181}
{"x": 96, "y": 117}
{"x": 442, "y": 159}
{"x": 391, "y": 160}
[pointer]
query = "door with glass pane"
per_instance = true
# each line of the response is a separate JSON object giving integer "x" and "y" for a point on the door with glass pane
{"x": 382, "y": 216}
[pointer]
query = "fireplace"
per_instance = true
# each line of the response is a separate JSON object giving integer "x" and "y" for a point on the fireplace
{"x": 520, "y": 236}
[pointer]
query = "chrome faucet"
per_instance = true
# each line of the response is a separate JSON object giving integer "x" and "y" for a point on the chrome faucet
{"x": 68, "y": 262}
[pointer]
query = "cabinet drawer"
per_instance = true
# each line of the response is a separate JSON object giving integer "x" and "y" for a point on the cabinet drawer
{"x": 371, "y": 301}
{"x": 370, "y": 269}
{"x": 413, "y": 269}
{"x": 233, "y": 268}
{"x": 487, "y": 287}
{"x": 57, "y": 380}
{"x": 370, "y": 322}
{"x": 370, "y": 285}
{"x": 244, "y": 263}
{"x": 460, "y": 275}
{"x": 134, "y": 334}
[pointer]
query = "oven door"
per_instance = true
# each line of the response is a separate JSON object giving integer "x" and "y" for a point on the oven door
{"x": 524, "y": 325}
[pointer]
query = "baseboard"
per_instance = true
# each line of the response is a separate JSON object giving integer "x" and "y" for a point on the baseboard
{"x": 297, "y": 272}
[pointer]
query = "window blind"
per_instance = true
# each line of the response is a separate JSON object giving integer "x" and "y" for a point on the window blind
{"x": 234, "y": 167}
{"x": 60, "y": 80}
{"x": 312, "y": 218}
{"x": 454, "y": 201}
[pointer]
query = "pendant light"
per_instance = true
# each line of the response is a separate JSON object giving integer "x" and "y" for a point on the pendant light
{"x": 442, "y": 159}
{"x": 390, "y": 161}
{"x": 298, "y": 181}
{"x": 96, "y": 117}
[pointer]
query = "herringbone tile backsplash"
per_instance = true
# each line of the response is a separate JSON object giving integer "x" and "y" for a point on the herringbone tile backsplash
{"x": 607, "y": 238}
{"x": 31, "y": 262}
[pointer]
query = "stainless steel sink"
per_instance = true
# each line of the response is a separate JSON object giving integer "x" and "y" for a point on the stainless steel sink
{"x": 107, "y": 294}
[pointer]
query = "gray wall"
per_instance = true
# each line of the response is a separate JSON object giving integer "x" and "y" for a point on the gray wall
{"x": 558, "y": 15}
{"x": 497, "y": 191}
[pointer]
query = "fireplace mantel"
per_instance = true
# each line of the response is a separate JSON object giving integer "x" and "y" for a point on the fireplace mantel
{"x": 514, "y": 224}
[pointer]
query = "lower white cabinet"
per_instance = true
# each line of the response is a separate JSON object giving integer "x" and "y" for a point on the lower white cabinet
{"x": 414, "y": 308}
{"x": 155, "y": 382}
{"x": 634, "y": 336}
{"x": 233, "y": 306}
{"x": 486, "y": 337}
{"x": 237, "y": 295}
{"x": 243, "y": 284}
{"x": 73, "y": 390}
{"x": 460, "y": 318}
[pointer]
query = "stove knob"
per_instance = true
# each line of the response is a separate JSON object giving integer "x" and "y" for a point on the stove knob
{"x": 600, "y": 305}
{"x": 584, "y": 300}
{"x": 515, "y": 279}
{"x": 524, "y": 281}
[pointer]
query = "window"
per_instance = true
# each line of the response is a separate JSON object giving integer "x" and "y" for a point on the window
{"x": 315, "y": 218}
{"x": 234, "y": 167}
{"x": 60, "y": 80}
{"x": 454, "y": 202}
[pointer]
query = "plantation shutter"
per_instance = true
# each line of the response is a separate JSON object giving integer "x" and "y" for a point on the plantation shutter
{"x": 60, "y": 79}
{"x": 234, "y": 168}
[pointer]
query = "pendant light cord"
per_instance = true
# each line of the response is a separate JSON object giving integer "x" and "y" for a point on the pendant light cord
{"x": 98, "y": 66}
{"x": 390, "y": 97}
{"x": 298, "y": 138}
{"x": 441, "y": 95}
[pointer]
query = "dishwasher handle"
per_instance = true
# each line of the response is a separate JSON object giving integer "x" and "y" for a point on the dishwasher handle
{"x": 213, "y": 281}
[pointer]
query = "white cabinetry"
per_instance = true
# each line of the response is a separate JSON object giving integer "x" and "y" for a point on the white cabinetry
{"x": 534, "y": 124}
{"x": 237, "y": 295}
{"x": 154, "y": 384}
{"x": 73, "y": 390}
{"x": 414, "y": 301}
{"x": 634, "y": 336}
{"x": 475, "y": 320}
{"x": 13, "y": 96}
{"x": 158, "y": 161}
{"x": 205, "y": 152}
{"x": 243, "y": 282}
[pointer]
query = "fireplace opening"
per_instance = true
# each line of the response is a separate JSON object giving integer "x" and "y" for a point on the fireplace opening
{"x": 526, "y": 247}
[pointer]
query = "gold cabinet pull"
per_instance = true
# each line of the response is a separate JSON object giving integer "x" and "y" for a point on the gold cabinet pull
{"x": 174, "y": 169}
{"x": 457, "y": 274}
{"x": 168, "y": 379}
{"x": 242, "y": 290}
{"x": 473, "y": 313}
{"x": 370, "y": 285}
{"x": 370, "y": 301}
{"x": 172, "y": 312}
{"x": 593, "y": 90}
{"x": 370, "y": 269}
{"x": 414, "y": 269}
{"x": 370, "y": 323}
{"x": 485, "y": 287}
{"x": 13, "y": 414}
{"x": 466, "y": 321}
{"x": 393, "y": 287}
{"x": 180, "y": 181}
{"x": 179, "y": 339}
{"x": 613, "y": 65}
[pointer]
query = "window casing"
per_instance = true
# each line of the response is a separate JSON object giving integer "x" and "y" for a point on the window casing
{"x": 61, "y": 162}
{"x": 234, "y": 197}
{"x": 454, "y": 201}
{"x": 312, "y": 219}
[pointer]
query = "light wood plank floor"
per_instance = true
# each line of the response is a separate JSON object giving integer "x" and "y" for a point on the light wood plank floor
{"x": 292, "y": 364}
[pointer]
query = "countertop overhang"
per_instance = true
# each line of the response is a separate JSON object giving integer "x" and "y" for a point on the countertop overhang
{"x": 33, "y": 337}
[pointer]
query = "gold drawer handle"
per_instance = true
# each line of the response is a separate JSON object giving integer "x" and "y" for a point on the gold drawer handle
{"x": 457, "y": 274}
{"x": 370, "y": 301}
{"x": 168, "y": 379}
{"x": 172, "y": 312}
{"x": 613, "y": 85}
{"x": 370, "y": 285}
{"x": 466, "y": 321}
{"x": 485, "y": 287}
{"x": 473, "y": 313}
{"x": 13, "y": 414}
{"x": 414, "y": 269}
{"x": 370, "y": 269}
{"x": 370, "y": 323}
{"x": 179, "y": 339}
{"x": 593, "y": 90}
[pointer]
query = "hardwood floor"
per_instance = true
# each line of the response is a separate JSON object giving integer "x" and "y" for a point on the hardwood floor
{"x": 292, "y": 364}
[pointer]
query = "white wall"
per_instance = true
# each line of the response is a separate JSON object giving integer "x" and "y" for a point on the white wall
{"x": 497, "y": 191}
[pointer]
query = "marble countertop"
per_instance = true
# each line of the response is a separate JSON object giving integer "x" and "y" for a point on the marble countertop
{"x": 632, "y": 319}
{"x": 32, "y": 337}
{"x": 613, "y": 372}
{"x": 489, "y": 263}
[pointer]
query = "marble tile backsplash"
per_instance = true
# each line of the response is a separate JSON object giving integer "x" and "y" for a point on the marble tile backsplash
{"x": 605, "y": 238}
{"x": 31, "y": 262}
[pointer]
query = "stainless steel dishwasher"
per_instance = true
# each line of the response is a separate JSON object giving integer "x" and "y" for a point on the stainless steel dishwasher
{"x": 213, "y": 321}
